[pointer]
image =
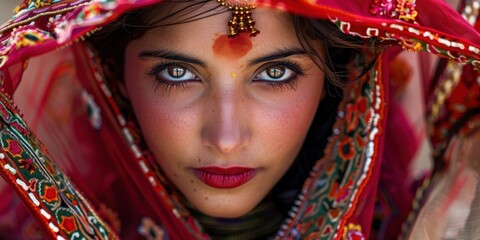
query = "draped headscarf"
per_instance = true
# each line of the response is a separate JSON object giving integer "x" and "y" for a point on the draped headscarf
{"x": 108, "y": 186}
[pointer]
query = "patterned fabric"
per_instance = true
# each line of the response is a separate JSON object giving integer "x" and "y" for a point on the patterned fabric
{"x": 453, "y": 117}
{"x": 116, "y": 189}
{"x": 332, "y": 189}
{"x": 42, "y": 186}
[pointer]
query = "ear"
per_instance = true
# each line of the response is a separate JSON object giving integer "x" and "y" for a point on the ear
{"x": 122, "y": 89}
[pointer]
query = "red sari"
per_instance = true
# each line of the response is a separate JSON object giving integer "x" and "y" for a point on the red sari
{"x": 96, "y": 181}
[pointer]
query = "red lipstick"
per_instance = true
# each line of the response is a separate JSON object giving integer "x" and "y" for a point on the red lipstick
{"x": 218, "y": 177}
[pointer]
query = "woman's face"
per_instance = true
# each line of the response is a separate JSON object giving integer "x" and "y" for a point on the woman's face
{"x": 224, "y": 118}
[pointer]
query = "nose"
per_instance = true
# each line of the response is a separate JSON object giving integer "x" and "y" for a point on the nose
{"x": 226, "y": 129}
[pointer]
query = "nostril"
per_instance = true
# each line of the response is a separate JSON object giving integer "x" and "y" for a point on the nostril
{"x": 226, "y": 136}
{"x": 225, "y": 125}
{"x": 224, "y": 140}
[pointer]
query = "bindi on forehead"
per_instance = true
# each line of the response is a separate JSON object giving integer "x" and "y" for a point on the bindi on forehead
{"x": 237, "y": 47}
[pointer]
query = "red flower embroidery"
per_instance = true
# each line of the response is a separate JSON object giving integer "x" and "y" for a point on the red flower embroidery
{"x": 14, "y": 148}
{"x": 50, "y": 194}
{"x": 344, "y": 191}
{"x": 94, "y": 10}
{"x": 333, "y": 190}
{"x": 347, "y": 150}
{"x": 362, "y": 105}
{"x": 27, "y": 164}
{"x": 309, "y": 209}
{"x": 327, "y": 230}
{"x": 320, "y": 221}
{"x": 68, "y": 224}
{"x": 334, "y": 213}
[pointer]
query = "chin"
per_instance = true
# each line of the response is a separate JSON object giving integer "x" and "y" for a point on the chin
{"x": 230, "y": 213}
{"x": 234, "y": 209}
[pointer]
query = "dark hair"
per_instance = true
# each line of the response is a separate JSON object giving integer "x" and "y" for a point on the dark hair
{"x": 340, "y": 48}
{"x": 111, "y": 40}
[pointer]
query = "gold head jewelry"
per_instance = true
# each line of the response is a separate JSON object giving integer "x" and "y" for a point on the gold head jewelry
{"x": 241, "y": 18}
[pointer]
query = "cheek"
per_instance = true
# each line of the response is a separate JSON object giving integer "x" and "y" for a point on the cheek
{"x": 288, "y": 127}
{"x": 167, "y": 132}
{"x": 285, "y": 126}
{"x": 163, "y": 125}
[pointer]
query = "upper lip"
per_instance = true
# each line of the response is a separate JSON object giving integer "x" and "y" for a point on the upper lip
{"x": 224, "y": 177}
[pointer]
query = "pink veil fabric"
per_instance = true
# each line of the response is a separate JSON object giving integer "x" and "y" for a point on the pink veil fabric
{"x": 114, "y": 188}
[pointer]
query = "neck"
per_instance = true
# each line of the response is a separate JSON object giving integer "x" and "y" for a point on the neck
{"x": 263, "y": 221}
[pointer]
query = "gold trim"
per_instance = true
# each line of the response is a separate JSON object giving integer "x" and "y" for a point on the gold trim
{"x": 241, "y": 21}
{"x": 23, "y": 22}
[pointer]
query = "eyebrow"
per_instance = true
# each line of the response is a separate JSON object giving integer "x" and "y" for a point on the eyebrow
{"x": 279, "y": 54}
{"x": 171, "y": 55}
{"x": 175, "y": 56}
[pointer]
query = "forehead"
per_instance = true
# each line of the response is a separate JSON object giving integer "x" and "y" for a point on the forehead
{"x": 194, "y": 28}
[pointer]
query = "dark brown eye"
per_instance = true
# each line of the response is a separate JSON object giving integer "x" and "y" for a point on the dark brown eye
{"x": 176, "y": 71}
{"x": 173, "y": 73}
{"x": 276, "y": 72}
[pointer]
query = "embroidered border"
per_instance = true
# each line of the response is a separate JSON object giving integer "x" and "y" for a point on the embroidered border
{"x": 63, "y": 212}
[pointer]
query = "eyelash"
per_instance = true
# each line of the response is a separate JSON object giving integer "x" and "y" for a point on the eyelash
{"x": 280, "y": 85}
{"x": 160, "y": 82}
{"x": 289, "y": 83}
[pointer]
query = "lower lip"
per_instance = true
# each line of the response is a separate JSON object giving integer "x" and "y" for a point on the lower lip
{"x": 224, "y": 177}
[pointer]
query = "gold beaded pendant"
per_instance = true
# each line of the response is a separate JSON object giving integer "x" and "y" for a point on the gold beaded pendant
{"x": 241, "y": 18}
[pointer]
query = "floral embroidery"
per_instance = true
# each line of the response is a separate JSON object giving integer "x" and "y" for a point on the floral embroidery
{"x": 403, "y": 10}
{"x": 50, "y": 194}
{"x": 42, "y": 3}
{"x": 347, "y": 150}
{"x": 333, "y": 186}
{"x": 399, "y": 9}
{"x": 420, "y": 39}
{"x": 29, "y": 38}
{"x": 68, "y": 224}
{"x": 353, "y": 232}
{"x": 14, "y": 148}
{"x": 35, "y": 3}
{"x": 27, "y": 164}
{"x": 91, "y": 11}
{"x": 406, "y": 9}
